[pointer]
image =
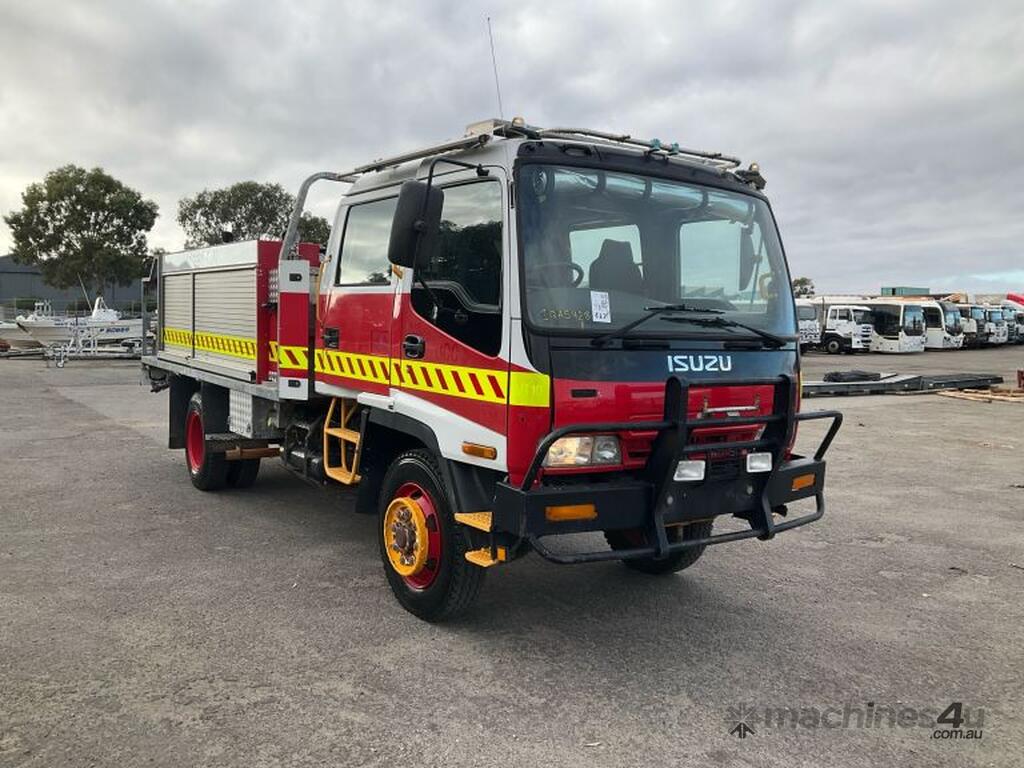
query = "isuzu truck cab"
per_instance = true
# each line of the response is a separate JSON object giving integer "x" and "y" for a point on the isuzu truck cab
{"x": 513, "y": 337}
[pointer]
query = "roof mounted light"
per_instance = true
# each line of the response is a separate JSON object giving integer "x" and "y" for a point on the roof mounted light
{"x": 752, "y": 176}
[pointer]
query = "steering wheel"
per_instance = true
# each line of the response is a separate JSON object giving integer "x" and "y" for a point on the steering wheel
{"x": 575, "y": 268}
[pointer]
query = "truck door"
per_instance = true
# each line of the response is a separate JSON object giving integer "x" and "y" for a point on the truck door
{"x": 449, "y": 353}
{"x": 357, "y": 297}
{"x": 832, "y": 321}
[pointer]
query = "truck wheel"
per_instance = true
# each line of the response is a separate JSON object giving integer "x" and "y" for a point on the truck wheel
{"x": 422, "y": 548}
{"x": 833, "y": 346}
{"x": 242, "y": 474}
{"x": 208, "y": 470}
{"x": 675, "y": 562}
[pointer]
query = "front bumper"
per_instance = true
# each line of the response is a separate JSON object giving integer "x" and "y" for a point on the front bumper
{"x": 653, "y": 500}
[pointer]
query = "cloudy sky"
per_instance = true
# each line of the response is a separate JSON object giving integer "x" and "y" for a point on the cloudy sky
{"x": 891, "y": 134}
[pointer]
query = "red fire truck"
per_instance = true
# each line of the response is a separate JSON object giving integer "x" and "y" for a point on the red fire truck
{"x": 513, "y": 336}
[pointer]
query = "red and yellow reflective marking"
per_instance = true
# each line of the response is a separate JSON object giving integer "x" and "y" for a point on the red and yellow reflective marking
{"x": 489, "y": 385}
{"x": 289, "y": 357}
{"x": 456, "y": 380}
{"x": 372, "y": 368}
{"x": 176, "y": 337}
{"x": 217, "y": 343}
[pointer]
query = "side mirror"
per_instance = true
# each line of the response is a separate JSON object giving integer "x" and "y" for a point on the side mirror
{"x": 747, "y": 258}
{"x": 417, "y": 221}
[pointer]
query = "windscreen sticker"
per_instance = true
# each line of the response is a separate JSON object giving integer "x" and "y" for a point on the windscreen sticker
{"x": 600, "y": 307}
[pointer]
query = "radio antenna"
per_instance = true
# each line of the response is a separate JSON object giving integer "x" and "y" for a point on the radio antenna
{"x": 494, "y": 63}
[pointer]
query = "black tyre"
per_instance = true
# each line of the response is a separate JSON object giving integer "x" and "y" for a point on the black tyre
{"x": 242, "y": 474}
{"x": 675, "y": 562}
{"x": 207, "y": 470}
{"x": 421, "y": 546}
{"x": 833, "y": 346}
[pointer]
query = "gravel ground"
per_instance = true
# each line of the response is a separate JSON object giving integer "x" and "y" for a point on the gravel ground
{"x": 145, "y": 623}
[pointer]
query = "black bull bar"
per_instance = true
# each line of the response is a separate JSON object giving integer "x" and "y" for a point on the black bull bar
{"x": 652, "y": 499}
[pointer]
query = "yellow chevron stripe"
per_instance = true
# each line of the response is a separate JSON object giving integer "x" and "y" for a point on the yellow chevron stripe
{"x": 484, "y": 384}
{"x": 489, "y": 385}
{"x": 217, "y": 343}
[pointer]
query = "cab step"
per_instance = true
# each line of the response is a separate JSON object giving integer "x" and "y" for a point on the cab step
{"x": 479, "y": 520}
{"x": 482, "y": 556}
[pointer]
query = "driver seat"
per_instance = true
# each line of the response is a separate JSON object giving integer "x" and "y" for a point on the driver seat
{"x": 614, "y": 269}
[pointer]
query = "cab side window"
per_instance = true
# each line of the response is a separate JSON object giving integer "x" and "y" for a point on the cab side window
{"x": 464, "y": 272}
{"x": 363, "y": 257}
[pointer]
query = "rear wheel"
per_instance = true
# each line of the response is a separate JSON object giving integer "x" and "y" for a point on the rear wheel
{"x": 422, "y": 547}
{"x": 675, "y": 562}
{"x": 207, "y": 469}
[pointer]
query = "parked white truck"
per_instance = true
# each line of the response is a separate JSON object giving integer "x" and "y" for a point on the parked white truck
{"x": 809, "y": 326}
{"x": 972, "y": 319}
{"x": 845, "y": 326}
{"x": 1014, "y": 313}
{"x": 995, "y": 326}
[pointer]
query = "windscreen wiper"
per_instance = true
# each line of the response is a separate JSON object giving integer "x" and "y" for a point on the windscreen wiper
{"x": 601, "y": 340}
{"x": 770, "y": 339}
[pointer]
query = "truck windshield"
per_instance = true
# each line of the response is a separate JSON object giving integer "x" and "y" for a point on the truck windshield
{"x": 862, "y": 317}
{"x": 978, "y": 313}
{"x": 995, "y": 317}
{"x": 601, "y": 248}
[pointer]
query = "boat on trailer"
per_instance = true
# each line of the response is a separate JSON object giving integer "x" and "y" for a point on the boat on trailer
{"x": 102, "y": 326}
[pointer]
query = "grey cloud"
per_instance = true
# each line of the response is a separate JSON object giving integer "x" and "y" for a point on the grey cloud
{"x": 890, "y": 134}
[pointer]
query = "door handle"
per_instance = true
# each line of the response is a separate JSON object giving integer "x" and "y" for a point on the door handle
{"x": 414, "y": 346}
{"x": 331, "y": 338}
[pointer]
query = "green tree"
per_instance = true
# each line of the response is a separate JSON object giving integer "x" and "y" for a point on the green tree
{"x": 250, "y": 210}
{"x": 82, "y": 225}
{"x": 803, "y": 287}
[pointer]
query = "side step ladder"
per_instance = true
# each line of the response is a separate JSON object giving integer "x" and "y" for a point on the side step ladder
{"x": 337, "y": 426}
{"x": 485, "y": 557}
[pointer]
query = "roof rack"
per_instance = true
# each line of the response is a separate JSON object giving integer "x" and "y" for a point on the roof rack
{"x": 478, "y": 134}
{"x": 518, "y": 127}
{"x": 466, "y": 142}
{"x": 651, "y": 145}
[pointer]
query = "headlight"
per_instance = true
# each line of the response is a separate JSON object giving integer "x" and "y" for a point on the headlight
{"x": 584, "y": 450}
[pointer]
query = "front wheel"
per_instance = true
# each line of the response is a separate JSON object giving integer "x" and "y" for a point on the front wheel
{"x": 675, "y": 562}
{"x": 833, "y": 346}
{"x": 422, "y": 547}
